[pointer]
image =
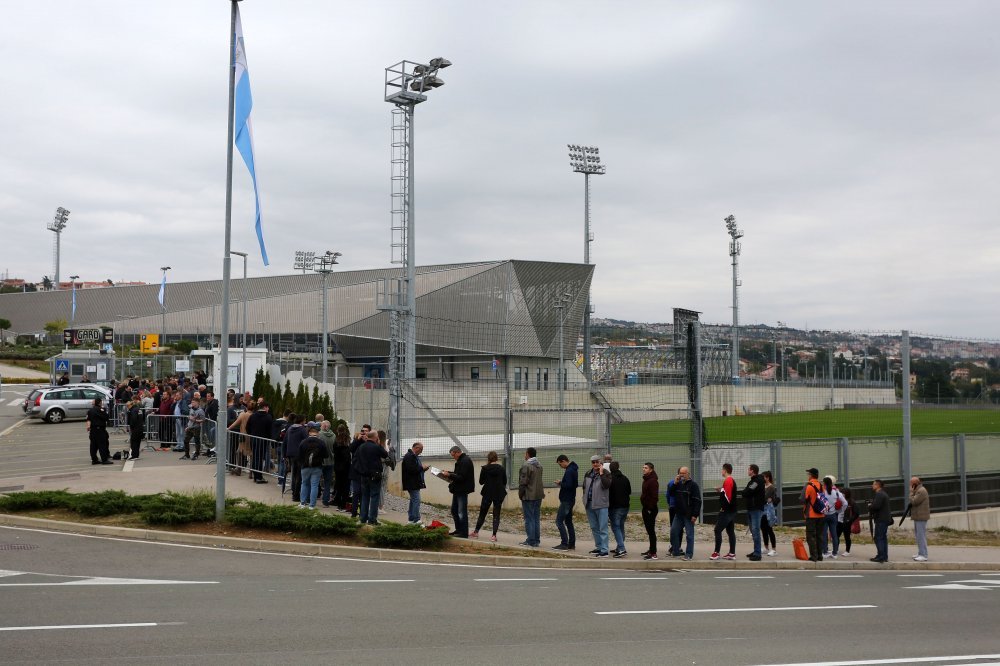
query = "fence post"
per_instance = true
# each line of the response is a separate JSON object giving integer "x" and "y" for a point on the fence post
{"x": 693, "y": 353}
{"x": 778, "y": 479}
{"x": 845, "y": 468}
{"x": 607, "y": 430}
{"x": 963, "y": 481}
{"x": 904, "y": 352}
{"x": 508, "y": 444}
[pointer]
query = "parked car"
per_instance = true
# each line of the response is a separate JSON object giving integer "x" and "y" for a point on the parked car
{"x": 55, "y": 404}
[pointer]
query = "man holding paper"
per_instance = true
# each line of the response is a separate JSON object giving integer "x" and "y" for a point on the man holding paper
{"x": 461, "y": 482}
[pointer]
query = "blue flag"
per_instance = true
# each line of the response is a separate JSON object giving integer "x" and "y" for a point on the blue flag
{"x": 163, "y": 288}
{"x": 243, "y": 103}
{"x": 73, "y": 316}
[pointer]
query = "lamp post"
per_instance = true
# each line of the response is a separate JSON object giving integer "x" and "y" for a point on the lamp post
{"x": 121, "y": 340}
{"x": 57, "y": 225}
{"x": 734, "y": 251}
{"x": 586, "y": 160}
{"x": 211, "y": 342}
{"x": 322, "y": 264}
{"x": 163, "y": 307}
{"x": 243, "y": 367}
{"x": 560, "y": 305}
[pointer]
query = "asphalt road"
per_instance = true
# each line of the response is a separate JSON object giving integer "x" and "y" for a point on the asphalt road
{"x": 199, "y": 605}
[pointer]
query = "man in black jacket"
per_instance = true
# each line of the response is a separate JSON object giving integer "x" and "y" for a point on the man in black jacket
{"x": 260, "y": 426}
{"x": 687, "y": 509}
{"x": 212, "y": 414}
{"x": 412, "y": 477}
{"x": 461, "y": 482}
{"x": 356, "y": 443}
{"x": 880, "y": 512}
{"x": 753, "y": 495}
{"x": 369, "y": 457}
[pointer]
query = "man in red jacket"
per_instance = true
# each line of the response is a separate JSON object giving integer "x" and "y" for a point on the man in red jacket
{"x": 727, "y": 514}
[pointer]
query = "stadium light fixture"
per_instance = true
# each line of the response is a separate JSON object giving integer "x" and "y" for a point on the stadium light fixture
{"x": 586, "y": 160}
{"x": 735, "y": 247}
{"x": 57, "y": 225}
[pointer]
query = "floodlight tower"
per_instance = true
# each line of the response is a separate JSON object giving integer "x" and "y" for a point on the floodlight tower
{"x": 57, "y": 225}
{"x": 322, "y": 264}
{"x": 406, "y": 83}
{"x": 586, "y": 160}
{"x": 734, "y": 251}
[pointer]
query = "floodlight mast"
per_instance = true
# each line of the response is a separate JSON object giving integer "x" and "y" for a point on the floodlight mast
{"x": 322, "y": 264}
{"x": 406, "y": 83}
{"x": 734, "y": 251}
{"x": 586, "y": 160}
{"x": 57, "y": 225}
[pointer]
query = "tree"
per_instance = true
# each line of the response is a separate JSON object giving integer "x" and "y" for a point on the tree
{"x": 46, "y": 283}
{"x": 258, "y": 384}
{"x": 184, "y": 346}
{"x": 4, "y": 325}
{"x": 56, "y": 327}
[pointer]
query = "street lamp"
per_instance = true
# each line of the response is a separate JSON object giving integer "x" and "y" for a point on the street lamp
{"x": 243, "y": 368}
{"x": 163, "y": 306}
{"x": 734, "y": 251}
{"x": 72, "y": 313}
{"x": 57, "y": 225}
{"x": 560, "y": 305}
{"x": 121, "y": 340}
{"x": 322, "y": 264}
{"x": 211, "y": 343}
{"x": 586, "y": 160}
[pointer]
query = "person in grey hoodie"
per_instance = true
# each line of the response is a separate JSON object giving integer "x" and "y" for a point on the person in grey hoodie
{"x": 531, "y": 491}
{"x": 329, "y": 438}
{"x": 596, "y": 487}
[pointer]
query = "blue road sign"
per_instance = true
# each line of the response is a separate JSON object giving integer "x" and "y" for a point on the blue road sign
{"x": 62, "y": 365}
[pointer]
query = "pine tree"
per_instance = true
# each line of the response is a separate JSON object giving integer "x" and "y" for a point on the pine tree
{"x": 277, "y": 402}
{"x": 302, "y": 400}
{"x": 258, "y": 383}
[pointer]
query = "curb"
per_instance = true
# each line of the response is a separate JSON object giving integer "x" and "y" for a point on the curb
{"x": 425, "y": 557}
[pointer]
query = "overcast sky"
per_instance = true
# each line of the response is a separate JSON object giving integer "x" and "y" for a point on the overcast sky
{"x": 856, "y": 143}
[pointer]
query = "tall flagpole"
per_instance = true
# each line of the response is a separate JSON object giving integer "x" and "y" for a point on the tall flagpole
{"x": 221, "y": 433}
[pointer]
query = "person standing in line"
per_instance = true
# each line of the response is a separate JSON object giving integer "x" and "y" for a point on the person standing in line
{"x": 754, "y": 496}
{"x": 726, "y": 522}
{"x": 259, "y": 427}
{"x": 596, "y": 488}
{"x": 370, "y": 455}
{"x": 412, "y": 479}
{"x": 814, "y": 518}
{"x": 461, "y": 482}
{"x": 493, "y": 479}
{"x": 851, "y": 514}
{"x": 619, "y": 499}
{"x": 294, "y": 434}
{"x": 341, "y": 467}
{"x": 359, "y": 439}
{"x": 671, "y": 510}
{"x": 97, "y": 427}
{"x": 136, "y": 423}
{"x": 649, "y": 498}
{"x": 531, "y": 491}
{"x": 832, "y": 517}
{"x": 329, "y": 438}
{"x": 567, "y": 499}
{"x": 920, "y": 513}
{"x": 196, "y": 418}
{"x": 687, "y": 510}
{"x": 312, "y": 453}
{"x": 770, "y": 518}
{"x": 879, "y": 509}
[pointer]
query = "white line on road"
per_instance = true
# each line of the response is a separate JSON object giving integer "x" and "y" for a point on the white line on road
{"x": 84, "y": 626}
{"x": 743, "y": 577}
{"x": 920, "y": 575}
{"x": 730, "y": 610}
{"x": 510, "y": 580}
{"x": 840, "y": 576}
{"x": 15, "y": 401}
{"x": 371, "y": 580}
{"x": 638, "y": 578}
{"x": 903, "y": 660}
{"x": 129, "y": 464}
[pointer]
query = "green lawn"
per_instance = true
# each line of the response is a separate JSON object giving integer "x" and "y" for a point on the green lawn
{"x": 811, "y": 425}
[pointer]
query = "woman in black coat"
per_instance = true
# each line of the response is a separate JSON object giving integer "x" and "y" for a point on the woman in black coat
{"x": 341, "y": 466}
{"x": 493, "y": 479}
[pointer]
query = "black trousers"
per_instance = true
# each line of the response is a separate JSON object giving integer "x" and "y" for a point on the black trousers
{"x": 99, "y": 445}
{"x": 725, "y": 522}
{"x": 296, "y": 467}
{"x": 649, "y": 521}
{"x": 844, "y": 531}
{"x": 484, "y": 508}
{"x": 768, "y": 533}
{"x": 135, "y": 441}
{"x": 341, "y": 487}
{"x": 813, "y": 526}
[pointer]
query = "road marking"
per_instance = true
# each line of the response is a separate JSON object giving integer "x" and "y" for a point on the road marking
{"x": 839, "y": 576}
{"x": 638, "y": 578}
{"x": 16, "y": 425}
{"x": 906, "y": 660}
{"x": 84, "y": 626}
{"x": 979, "y": 581}
{"x": 129, "y": 464}
{"x": 920, "y": 575}
{"x": 371, "y": 580}
{"x": 948, "y": 586}
{"x": 15, "y": 401}
{"x": 743, "y": 577}
{"x": 731, "y": 610}
{"x": 510, "y": 580}
{"x": 94, "y": 580}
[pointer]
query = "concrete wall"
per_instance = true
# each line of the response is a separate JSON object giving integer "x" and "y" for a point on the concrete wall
{"x": 979, "y": 520}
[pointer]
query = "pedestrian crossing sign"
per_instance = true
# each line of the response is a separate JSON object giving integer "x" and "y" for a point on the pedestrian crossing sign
{"x": 62, "y": 365}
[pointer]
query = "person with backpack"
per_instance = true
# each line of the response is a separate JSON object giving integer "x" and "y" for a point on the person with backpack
{"x": 813, "y": 508}
{"x": 832, "y": 517}
{"x": 846, "y": 526}
{"x": 312, "y": 453}
{"x": 753, "y": 495}
{"x": 726, "y": 522}
{"x": 619, "y": 500}
{"x": 770, "y": 518}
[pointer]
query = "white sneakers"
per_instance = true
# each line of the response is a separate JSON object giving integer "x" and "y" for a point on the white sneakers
{"x": 919, "y": 558}
{"x": 771, "y": 553}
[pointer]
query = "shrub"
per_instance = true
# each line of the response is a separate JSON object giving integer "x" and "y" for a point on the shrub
{"x": 411, "y": 537}
{"x": 105, "y": 503}
{"x": 289, "y": 519}
{"x": 31, "y": 500}
{"x": 176, "y": 509}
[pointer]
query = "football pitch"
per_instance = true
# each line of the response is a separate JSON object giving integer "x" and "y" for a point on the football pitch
{"x": 811, "y": 425}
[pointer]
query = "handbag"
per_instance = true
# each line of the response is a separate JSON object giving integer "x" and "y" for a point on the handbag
{"x": 856, "y": 526}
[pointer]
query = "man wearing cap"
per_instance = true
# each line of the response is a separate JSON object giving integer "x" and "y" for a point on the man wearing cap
{"x": 596, "y": 490}
{"x": 814, "y": 519}
{"x": 312, "y": 453}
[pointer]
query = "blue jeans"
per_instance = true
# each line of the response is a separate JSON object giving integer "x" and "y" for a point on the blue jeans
{"x": 327, "y": 483}
{"x": 830, "y": 533}
{"x": 754, "y": 517}
{"x": 598, "y": 519}
{"x": 355, "y": 497}
{"x": 460, "y": 513}
{"x": 413, "y": 512}
{"x": 310, "y": 485}
{"x": 532, "y": 521}
{"x": 179, "y": 430}
{"x": 564, "y": 521}
{"x": 370, "y": 493}
{"x": 617, "y": 517}
{"x": 682, "y": 524}
{"x": 882, "y": 541}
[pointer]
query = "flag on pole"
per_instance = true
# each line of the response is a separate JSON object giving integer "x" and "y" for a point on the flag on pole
{"x": 73, "y": 316}
{"x": 243, "y": 103}
{"x": 163, "y": 288}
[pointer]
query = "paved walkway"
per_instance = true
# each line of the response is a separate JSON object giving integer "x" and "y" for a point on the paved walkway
{"x": 22, "y": 373}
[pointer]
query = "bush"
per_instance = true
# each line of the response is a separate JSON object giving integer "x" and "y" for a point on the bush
{"x": 106, "y": 503}
{"x": 410, "y": 537}
{"x": 176, "y": 509}
{"x": 31, "y": 500}
{"x": 289, "y": 519}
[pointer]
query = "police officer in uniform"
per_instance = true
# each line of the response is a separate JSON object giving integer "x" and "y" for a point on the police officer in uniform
{"x": 97, "y": 426}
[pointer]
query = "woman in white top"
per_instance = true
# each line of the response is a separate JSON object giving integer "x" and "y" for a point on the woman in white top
{"x": 834, "y": 514}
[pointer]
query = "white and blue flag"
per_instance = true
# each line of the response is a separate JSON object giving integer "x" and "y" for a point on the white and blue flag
{"x": 243, "y": 103}
{"x": 73, "y": 316}
{"x": 163, "y": 288}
